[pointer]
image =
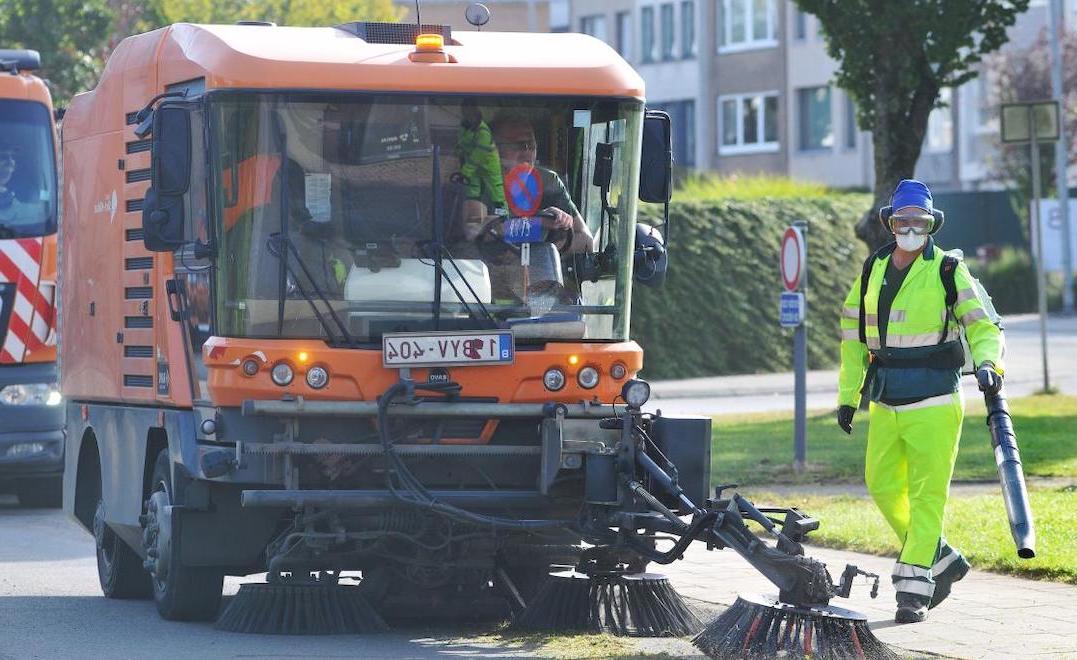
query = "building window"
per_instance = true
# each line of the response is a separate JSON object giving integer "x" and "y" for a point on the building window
{"x": 940, "y": 126}
{"x": 646, "y": 17}
{"x": 667, "y": 31}
{"x": 594, "y": 26}
{"x": 748, "y": 123}
{"x": 745, "y": 24}
{"x": 688, "y": 29}
{"x": 560, "y": 20}
{"x": 624, "y": 34}
{"x": 816, "y": 130}
{"x": 850, "y": 122}
{"x": 800, "y": 25}
{"x": 682, "y": 119}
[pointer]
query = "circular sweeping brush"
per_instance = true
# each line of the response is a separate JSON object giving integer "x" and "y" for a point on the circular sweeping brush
{"x": 636, "y": 605}
{"x": 762, "y": 627}
{"x": 300, "y": 609}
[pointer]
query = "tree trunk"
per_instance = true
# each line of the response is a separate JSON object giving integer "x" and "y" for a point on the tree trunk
{"x": 898, "y": 136}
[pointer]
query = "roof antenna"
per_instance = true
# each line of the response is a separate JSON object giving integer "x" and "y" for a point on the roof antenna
{"x": 477, "y": 14}
{"x": 418, "y": 18}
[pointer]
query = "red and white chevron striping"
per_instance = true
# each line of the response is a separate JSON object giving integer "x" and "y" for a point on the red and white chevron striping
{"x": 31, "y": 323}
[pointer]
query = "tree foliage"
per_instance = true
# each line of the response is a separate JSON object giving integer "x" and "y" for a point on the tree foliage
{"x": 281, "y": 12}
{"x": 895, "y": 57}
{"x": 71, "y": 36}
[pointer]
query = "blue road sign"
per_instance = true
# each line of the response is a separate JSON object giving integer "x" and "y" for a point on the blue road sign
{"x": 792, "y": 309}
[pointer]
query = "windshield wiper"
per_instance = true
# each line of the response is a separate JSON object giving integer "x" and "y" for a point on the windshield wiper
{"x": 275, "y": 239}
{"x": 441, "y": 253}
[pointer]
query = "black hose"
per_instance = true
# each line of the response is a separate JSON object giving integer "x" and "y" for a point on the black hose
{"x": 424, "y": 498}
{"x": 677, "y": 551}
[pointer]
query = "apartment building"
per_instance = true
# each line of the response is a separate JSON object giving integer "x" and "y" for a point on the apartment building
{"x": 749, "y": 86}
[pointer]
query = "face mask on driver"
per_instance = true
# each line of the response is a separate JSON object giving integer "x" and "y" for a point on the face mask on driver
{"x": 911, "y": 242}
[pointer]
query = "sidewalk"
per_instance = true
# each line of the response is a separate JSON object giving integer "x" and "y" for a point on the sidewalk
{"x": 987, "y": 616}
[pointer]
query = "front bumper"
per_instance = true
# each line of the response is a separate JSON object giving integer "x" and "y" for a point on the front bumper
{"x": 31, "y": 437}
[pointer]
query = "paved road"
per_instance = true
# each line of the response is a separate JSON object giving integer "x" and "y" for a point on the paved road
{"x": 774, "y": 392}
{"x": 51, "y": 607}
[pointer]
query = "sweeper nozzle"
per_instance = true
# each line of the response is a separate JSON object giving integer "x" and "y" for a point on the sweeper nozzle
{"x": 762, "y": 627}
{"x": 304, "y": 608}
{"x": 637, "y": 605}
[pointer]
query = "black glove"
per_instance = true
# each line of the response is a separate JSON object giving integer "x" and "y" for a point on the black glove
{"x": 845, "y": 418}
{"x": 989, "y": 380}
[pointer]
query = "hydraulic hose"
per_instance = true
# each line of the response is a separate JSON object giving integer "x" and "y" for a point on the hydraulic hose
{"x": 423, "y": 497}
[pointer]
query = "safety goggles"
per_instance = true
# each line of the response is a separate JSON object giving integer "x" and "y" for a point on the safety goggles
{"x": 911, "y": 224}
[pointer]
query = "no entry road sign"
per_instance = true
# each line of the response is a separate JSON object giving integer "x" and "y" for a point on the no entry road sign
{"x": 794, "y": 258}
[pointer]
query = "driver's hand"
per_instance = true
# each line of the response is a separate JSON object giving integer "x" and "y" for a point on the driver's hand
{"x": 555, "y": 218}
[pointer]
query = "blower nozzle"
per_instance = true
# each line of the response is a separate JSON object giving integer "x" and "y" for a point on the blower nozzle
{"x": 1011, "y": 475}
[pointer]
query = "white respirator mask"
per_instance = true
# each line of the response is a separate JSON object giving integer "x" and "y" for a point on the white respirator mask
{"x": 911, "y": 242}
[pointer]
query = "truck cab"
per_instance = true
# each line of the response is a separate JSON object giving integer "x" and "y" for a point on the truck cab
{"x": 31, "y": 414}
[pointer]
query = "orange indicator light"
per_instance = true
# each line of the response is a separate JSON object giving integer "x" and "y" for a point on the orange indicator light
{"x": 429, "y": 43}
{"x": 303, "y": 356}
{"x": 574, "y": 360}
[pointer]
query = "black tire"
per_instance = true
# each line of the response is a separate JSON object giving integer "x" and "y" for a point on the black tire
{"x": 184, "y": 593}
{"x": 42, "y": 493}
{"x": 119, "y": 568}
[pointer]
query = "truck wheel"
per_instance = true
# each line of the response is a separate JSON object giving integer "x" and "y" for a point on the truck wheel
{"x": 181, "y": 592}
{"x": 119, "y": 569}
{"x": 44, "y": 493}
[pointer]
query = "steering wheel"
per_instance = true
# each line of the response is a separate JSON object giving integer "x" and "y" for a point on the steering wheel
{"x": 561, "y": 238}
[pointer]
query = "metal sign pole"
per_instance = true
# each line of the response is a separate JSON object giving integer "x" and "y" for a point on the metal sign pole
{"x": 800, "y": 369}
{"x": 1041, "y": 276}
{"x": 1057, "y": 18}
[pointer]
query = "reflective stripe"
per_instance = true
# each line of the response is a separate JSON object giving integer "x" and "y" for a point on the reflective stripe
{"x": 915, "y": 587}
{"x": 909, "y": 571}
{"x": 920, "y": 340}
{"x": 850, "y": 334}
{"x": 944, "y": 563}
{"x": 871, "y": 319}
{"x": 897, "y": 316}
{"x": 873, "y": 343}
{"x": 851, "y": 313}
{"x": 973, "y": 315}
{"x": 965, "y": 294}
{"x": 941, "y": 400}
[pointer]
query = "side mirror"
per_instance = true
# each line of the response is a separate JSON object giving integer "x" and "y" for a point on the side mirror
{"x": 162, "y": 209}
{"x": 656, "y": 159}
{"x": 650, "y": 259}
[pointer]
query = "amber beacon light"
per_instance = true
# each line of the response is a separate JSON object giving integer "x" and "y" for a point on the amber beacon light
{"x": 429, "y": 43}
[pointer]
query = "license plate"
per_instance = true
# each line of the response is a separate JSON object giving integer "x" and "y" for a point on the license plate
{"x": 445, "y": 348}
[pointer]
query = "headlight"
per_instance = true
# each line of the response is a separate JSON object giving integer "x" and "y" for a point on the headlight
{"x": 636, "y": 392}
{"x": 317, "y": 377}
{"x": 30, "y": 394}
{"x": 553, "y": 379}
{"x": 587, "y": 378}
{"x": 282, "y": 374}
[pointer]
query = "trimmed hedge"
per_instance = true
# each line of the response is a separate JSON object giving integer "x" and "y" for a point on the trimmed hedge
{"x": 1010, "y": 280}
{"x": 718, "y": 311}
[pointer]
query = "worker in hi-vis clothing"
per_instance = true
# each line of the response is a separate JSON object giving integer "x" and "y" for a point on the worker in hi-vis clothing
{"x": 901, "y": 344}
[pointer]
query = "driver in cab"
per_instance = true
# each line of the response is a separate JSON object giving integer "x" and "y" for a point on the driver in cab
{"x": 514, "y": 138}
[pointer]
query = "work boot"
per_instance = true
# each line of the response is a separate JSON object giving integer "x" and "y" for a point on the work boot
{"x": 957, "y": 569}
{"x": 911, "y": 608}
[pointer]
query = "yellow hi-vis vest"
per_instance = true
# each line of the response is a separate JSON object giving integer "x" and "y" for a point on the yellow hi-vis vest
{"x": 922, "y": 335}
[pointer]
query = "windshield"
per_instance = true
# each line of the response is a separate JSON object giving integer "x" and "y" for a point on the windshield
{"x": 27, "y": 170}
{"x": 338, "y": 216}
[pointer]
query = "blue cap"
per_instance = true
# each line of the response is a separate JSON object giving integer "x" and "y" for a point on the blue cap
{"x": 911, "y": 192}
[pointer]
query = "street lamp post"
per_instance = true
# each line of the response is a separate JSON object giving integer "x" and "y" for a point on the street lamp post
{"x": 1032, "y": 122}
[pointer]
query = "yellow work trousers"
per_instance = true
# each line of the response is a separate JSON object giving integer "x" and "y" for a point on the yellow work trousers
{"x": 910, "y": 459}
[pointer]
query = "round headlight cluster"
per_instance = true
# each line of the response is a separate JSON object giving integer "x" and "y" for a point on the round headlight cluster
{"x": 250, "y": 366}
{"x": 618, "y": 371}
{"x": 587, "y": 378}
{"x": 553, "y": 379}
{"x": 282, "y": 374}
{"x": 636, "y": 393}
{"x": 317, "y": 377}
